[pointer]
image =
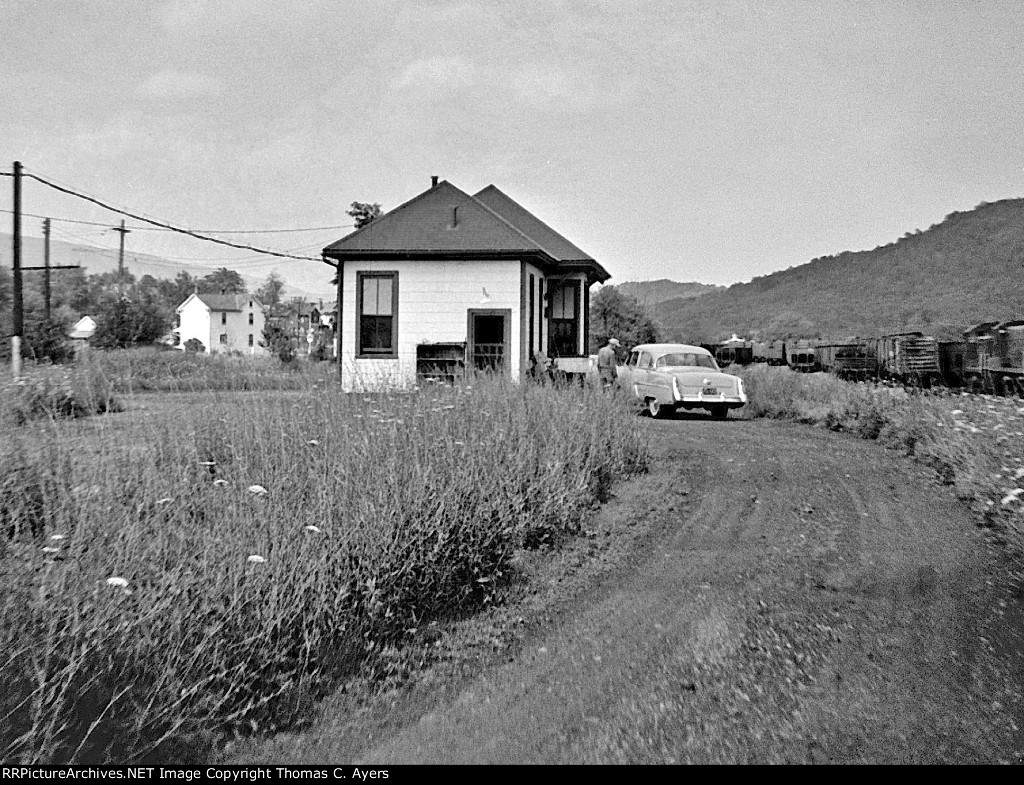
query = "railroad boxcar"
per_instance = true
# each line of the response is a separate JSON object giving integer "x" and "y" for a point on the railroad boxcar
{"x": 848, "y": 360}
{"x": 994, "y": 360}
{"x": 911, "y": 358}
{"x": 803, "y": 357}
{"x": 953, "y": 360}
{"x": 735, "y": 350}
{"x": 771, "y": 352}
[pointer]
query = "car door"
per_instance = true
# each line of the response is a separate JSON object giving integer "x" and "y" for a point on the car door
{"x": 642, "y": 375}
{"x": 625, "y": 371}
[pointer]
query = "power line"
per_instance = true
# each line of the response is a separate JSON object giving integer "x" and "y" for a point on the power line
{"x": 164, "y": 225}
{"x": 206, "y": 231}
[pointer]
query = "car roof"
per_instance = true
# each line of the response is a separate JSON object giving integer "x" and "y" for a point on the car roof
{"x": 671, "y": 348}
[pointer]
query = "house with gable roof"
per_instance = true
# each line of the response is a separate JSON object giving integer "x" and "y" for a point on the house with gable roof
{"x": 222, "y": 323}
{"x": 451, "y": 281}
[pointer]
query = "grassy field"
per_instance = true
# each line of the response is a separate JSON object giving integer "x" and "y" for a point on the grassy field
{"x": 210, "y": 561}
{"x": 974, "y": 443}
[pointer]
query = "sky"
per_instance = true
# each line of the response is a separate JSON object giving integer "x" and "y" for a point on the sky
{"x": 695, "y": 141}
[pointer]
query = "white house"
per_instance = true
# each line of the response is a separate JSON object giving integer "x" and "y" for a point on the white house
{"x": 83, "y": 330}
{"x": 449, "y": 281}
{"x": 222, "y": 323}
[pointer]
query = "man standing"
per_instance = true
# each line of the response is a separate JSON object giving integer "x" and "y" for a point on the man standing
{"x": 606, "y": 363}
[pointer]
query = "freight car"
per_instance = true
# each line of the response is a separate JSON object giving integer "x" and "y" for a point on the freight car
{"x": 910, "y": 358}
{"x": 735, "y": 350}
{"x": 848, "y": 359}
{"x": 993, "y": 359}
{"x": 803, "y": 357}
{"x": 771, "y": 352}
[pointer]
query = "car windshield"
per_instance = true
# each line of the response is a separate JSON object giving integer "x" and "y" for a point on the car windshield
{"x": 686, "y": 359}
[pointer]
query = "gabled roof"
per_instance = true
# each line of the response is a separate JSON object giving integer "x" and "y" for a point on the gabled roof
{"x": 445, "y": 221}
{"x": 84, "y": 328}
{"x": 519, "y": 216}
{"x": 220, "y": 302}
{"x": 224, "y": 302}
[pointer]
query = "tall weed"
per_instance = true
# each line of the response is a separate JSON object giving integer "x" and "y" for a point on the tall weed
{"x": 212, "y": 568}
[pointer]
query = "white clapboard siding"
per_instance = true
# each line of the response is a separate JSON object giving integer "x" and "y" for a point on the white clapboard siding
{"x": 434, "y": 297}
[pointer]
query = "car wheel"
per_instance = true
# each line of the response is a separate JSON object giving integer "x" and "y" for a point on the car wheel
{"x": 654, "y": 408}
{"x": 719, "y": 412}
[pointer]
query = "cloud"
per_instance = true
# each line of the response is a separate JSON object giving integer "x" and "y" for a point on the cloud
{"x": 171, "y": 83}
{"x": 436, "y": 76}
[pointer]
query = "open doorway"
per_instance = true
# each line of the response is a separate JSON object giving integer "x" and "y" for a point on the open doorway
{"x": 489, "y": 333}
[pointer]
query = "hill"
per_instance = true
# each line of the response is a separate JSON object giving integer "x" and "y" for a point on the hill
{"x": 961, "y": 271}
{"x": 651, "y": 293}
{"x": 309, "y": 280}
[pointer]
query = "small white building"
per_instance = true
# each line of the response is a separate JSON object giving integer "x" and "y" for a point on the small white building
{"x": 83, "y": 330}
{"x": 222, "y": 323}
{"x": 448, "y": 282}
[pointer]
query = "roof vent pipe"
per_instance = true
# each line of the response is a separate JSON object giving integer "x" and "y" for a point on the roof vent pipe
{"x": 433, "y": 181}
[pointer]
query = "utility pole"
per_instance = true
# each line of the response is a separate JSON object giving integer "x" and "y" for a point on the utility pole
{"x": 46, "y": 266}
{"x": 18, "y": 314}
{"x": 120, "y": 257}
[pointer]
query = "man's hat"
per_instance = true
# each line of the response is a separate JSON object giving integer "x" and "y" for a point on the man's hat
{"x": 614, "y": 342}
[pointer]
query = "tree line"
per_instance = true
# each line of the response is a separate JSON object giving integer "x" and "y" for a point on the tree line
{"x": 128, "y": 310}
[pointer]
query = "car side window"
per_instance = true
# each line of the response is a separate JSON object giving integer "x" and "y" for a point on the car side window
{"x": 644, "y": 360}
{"x": 631, "y": 360}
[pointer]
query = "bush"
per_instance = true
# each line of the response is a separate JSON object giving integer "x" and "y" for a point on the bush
{"x": 57, "y": 392}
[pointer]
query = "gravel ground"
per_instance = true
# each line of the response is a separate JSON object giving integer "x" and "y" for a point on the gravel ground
{"x": 768, "y": 593}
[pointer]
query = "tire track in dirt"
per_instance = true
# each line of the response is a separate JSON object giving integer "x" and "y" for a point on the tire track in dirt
{"x": 818, "y": 601}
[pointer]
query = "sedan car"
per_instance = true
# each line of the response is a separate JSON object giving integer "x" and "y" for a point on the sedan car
{"x": 670, "y": 376}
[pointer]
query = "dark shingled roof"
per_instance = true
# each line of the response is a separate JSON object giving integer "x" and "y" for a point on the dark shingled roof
{"x": 445, "y": 220}
{"x": 225, "y": 302}
{"x": 517, "y": 215}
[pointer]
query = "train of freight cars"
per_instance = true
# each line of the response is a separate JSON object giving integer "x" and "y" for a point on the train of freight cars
{"x": 989, "y": 358}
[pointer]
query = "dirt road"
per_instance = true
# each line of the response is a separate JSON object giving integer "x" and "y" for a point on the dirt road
{"x": 798, "y": 596}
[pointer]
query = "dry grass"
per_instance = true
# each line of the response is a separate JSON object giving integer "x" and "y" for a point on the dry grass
{"x": 205, "y": 564}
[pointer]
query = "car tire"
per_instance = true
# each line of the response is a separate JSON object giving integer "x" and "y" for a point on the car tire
{"x": 719, "y": 412}
{"x": 655, "y": 409}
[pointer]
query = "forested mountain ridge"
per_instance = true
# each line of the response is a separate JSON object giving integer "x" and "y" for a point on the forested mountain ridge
{"x": 650, "y": 293}
{"x": 966, "y": 269}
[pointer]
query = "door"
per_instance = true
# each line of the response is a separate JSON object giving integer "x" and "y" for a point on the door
{"x": 489, "y": 335}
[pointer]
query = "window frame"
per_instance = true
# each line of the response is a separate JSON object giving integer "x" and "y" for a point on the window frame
{"x": 361, "y": 353}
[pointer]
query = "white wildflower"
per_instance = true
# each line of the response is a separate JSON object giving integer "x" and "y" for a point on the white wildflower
{"x": 51, "y": 550}
{"x": 64, "y": 536}
{"x": 220, "y": 482}
{"x": 957, "y": 411}
{"x": 207, "y": 463}
{"x": 314, "y": 529}
{"x": 255, "y": 559}
{"x": 257, "y": 490}
{"x": 313, "y": 442}
{"x": 117, "y": 581}
{"x": 165, "y": 500}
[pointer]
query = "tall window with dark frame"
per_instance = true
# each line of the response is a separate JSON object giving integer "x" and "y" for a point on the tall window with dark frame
{"x": 376, "y": 309}
{"x": 564, "y": 324}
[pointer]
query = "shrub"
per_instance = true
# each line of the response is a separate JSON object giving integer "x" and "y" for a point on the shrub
{"x": 57, "y": 392}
